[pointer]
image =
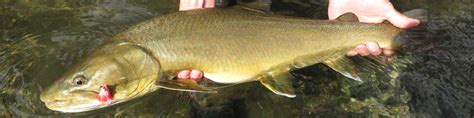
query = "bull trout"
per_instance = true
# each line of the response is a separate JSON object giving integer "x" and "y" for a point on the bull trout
{"x": 230, "y": 45}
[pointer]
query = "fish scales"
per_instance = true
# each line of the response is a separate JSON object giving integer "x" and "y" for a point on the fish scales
{"x": 235, "y": 45}
{"x": 230, "y": 45}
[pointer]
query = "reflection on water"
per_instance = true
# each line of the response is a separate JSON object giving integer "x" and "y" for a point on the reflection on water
{"x": 41, "y": 39}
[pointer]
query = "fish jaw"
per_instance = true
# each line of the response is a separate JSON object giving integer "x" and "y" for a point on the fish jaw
{"x": 83, "y": 101}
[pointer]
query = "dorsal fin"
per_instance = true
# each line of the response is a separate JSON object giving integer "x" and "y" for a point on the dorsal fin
{"x": 419, "y": 14}
{"x": 348, "y": 17}
{"x": 386, "y": 22}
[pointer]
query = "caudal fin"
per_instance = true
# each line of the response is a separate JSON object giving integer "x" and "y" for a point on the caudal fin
{"x": 419, "y": 14}
{"x": 418, "y": 34}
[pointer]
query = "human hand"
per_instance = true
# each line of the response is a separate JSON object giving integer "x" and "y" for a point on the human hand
{"x": 370, "y": 11}
{"x": 185, "y": 5}
{"x": 195, "y": 75}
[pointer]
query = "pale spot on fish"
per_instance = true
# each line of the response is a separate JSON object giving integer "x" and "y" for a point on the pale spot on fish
{"x": 226, "y": 77}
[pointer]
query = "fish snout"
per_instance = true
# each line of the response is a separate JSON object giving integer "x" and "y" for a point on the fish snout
{"x": 46, "y": 97}
{"x": 43, "y": 98}
{"x": 51, "y": 101}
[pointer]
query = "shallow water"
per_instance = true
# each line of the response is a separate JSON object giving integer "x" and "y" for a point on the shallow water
{"x": 41, "y": 39}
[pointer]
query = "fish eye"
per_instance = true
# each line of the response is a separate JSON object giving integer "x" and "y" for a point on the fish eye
{"x": 79, "y": 80}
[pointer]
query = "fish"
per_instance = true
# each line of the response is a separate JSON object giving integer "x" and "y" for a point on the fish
{"x": 229, "y": 45}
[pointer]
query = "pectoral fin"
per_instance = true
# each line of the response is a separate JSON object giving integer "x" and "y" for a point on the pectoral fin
{"x": 183, "y": 85}
{"x": 280, "y": 84}
{"x": 345, "y": 66}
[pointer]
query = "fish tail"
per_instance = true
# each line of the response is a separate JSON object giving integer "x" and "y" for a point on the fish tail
{"x": 416, "y": 35}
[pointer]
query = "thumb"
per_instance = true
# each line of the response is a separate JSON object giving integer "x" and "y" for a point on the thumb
{"x": 401, "y": 21}
{"x": 333, "y": 13}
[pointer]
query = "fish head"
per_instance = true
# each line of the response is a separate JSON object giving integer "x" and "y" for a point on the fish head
{"x": 127, "y": 71}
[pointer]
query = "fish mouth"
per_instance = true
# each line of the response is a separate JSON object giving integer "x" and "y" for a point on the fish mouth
{"x": 71, "y": 106}
{"x": 57, "y": 104}
{"x": 72, "y": 102}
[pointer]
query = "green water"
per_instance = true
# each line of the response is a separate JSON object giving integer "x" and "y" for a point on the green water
{"x": 39, "y": 40}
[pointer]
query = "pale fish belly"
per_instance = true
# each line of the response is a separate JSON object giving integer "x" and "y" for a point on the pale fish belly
{"x": 234, "y": 73}
{"x": 227, "y": 77}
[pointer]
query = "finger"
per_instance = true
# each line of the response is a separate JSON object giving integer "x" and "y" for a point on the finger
{"x": 184, "y": 74}
{"x": 334, "y": 9}
{"x": 374, "y": 48}
{"x": 333, "y": 14}
{"x": 196, "y": 75}
{"x": 362, "y": 50}
{"x": 388, "y": 52}
{"x": 209, "y": 3}
{"x": 400, "y": 20}
{"x": 352, "y": 52}
{"x": 185, "y": 5}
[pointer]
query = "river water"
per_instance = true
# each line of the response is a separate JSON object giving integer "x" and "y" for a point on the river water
{"x": 430, "y": 76}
